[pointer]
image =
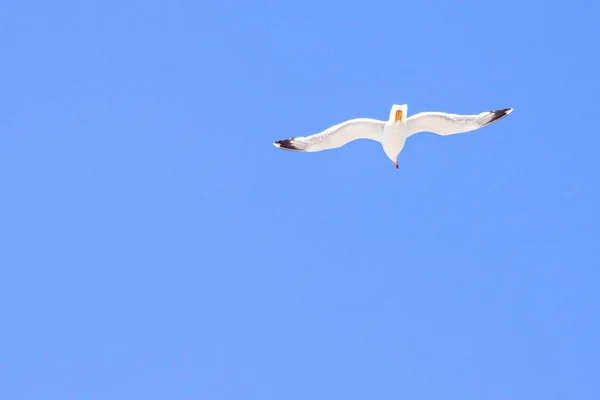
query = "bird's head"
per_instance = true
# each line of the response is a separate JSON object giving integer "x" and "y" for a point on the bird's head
{"x": 393, "y": 158}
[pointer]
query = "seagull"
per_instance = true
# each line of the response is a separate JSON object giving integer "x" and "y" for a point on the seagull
{"x": 392, "y": 134}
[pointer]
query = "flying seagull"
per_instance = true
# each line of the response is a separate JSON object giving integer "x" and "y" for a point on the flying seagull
{"x": 392, "y": 133}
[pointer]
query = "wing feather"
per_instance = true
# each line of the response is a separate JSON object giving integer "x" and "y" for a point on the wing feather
{"x": 335, "y": 136}
{"x": 449, "y": 124}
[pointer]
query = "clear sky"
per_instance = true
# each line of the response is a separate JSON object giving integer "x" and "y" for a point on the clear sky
{"x": 155, "y": 245}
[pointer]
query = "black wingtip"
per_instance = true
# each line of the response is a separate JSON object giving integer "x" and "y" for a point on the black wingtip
{"x": 286, "y": 144}
{"x": 499, "y": 114}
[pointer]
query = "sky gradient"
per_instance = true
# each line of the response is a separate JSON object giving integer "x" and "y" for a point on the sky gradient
{"x": 155, "y": 245}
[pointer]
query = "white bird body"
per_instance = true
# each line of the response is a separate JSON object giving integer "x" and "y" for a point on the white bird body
{"x": 392, "y": 134}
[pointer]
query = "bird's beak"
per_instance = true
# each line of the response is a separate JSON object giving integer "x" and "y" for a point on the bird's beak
{"x": 396, "y": 164}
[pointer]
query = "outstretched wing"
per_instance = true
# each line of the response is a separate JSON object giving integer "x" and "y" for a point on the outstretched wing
{"x": 450, "y": 124}
{"x": 336, "y": 136}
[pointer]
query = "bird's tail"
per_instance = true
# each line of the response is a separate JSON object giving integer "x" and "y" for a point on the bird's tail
{"x": 398, "y": 113}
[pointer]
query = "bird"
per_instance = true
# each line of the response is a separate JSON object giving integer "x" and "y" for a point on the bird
{"x": 392, "y": 134}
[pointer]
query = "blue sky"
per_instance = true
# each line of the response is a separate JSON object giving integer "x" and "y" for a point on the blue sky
{"x": 155, "y": 245}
